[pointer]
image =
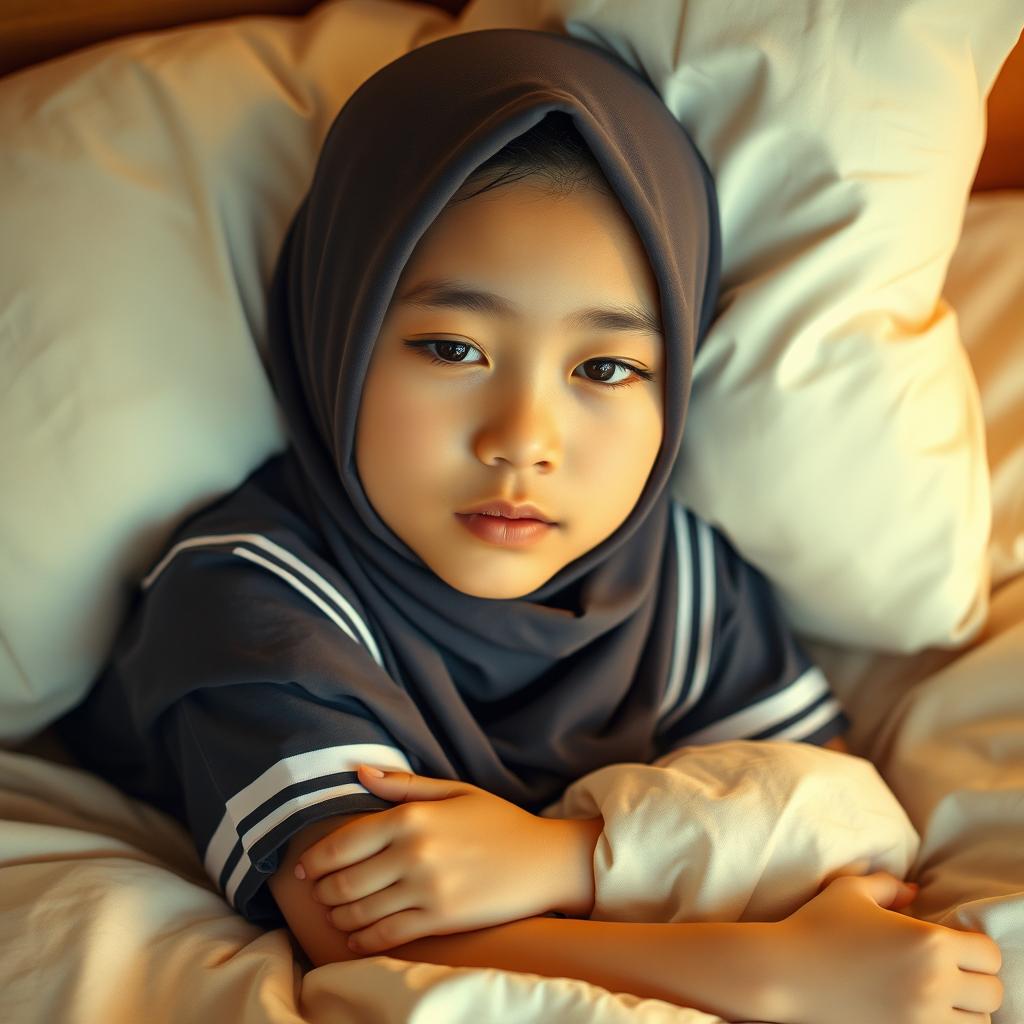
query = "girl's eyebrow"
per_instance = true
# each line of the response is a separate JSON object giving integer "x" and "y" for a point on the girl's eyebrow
{"x": 446, "y": 293}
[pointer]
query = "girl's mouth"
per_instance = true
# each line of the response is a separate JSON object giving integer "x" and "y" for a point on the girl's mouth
{"x": 502, "y": 531}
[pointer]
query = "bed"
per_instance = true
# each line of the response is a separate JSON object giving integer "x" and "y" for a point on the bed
{"x": 141, "y": 220}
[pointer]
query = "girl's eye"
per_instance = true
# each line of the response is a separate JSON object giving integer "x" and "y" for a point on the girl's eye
{"x": 454, "y": 349}
{"x": 457, "y": 349}
{"x": 609, "y": 366}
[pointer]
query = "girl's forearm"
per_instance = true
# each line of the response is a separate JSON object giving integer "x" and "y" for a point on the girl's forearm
{"x": 726, "y": 968}
{"x": 732, "y": 969}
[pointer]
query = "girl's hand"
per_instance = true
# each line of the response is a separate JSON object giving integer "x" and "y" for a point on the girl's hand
{"x": 452, "y": 858}
{"x": 847, "y": 959}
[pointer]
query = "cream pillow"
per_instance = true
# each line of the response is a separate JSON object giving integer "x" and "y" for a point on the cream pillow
{"x": 148, "y": 182}
{"x": 835, "y": 430}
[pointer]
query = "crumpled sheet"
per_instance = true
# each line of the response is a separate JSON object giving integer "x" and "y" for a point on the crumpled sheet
{"x": 107, "y": 916}
{"x": 946, "y": 730}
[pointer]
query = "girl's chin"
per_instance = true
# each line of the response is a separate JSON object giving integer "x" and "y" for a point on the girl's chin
{"x": 475, "y": 585}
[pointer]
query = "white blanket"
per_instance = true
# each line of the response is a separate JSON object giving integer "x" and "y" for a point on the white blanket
{"x": 109, "y": 918}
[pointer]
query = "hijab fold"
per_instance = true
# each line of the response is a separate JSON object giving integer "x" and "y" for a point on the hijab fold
{"x": 532, "y": 692}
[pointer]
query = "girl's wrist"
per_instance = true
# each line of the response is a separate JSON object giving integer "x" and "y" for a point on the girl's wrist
{"x": 782, "y": 975}
{"x": 574, "y": 842}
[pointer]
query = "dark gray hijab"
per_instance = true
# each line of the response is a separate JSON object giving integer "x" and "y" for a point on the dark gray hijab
{"x": 520, "y": 696}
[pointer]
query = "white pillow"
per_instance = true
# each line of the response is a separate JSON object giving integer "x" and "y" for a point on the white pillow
{"x": 148, "y": 182}
{"x": 834, "y": 431}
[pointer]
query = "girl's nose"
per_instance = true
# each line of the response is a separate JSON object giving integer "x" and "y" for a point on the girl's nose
{"x": 522, "y": 432}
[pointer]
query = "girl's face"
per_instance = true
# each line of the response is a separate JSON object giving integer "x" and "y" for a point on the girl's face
{"x": 520, "y": 405}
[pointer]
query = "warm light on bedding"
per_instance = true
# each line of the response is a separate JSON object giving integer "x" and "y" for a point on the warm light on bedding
{"x": 856, "y": 426}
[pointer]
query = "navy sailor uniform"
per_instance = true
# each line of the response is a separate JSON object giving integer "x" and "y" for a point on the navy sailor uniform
{"x": 247, "y": 761}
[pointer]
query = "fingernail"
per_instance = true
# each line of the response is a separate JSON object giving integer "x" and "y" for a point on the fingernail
{"x": 375, "y": 773}
{"x": 300, "y": 871}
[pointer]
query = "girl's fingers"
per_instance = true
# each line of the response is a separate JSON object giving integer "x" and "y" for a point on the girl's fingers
{"x": 360, "y": 880}
{"x": 354, "y": 841}
{"x": 351, "y": 917}
{"x": 977, "y": 951}
{"x": 978, "y": 993}
{"x": 396, "y": 930}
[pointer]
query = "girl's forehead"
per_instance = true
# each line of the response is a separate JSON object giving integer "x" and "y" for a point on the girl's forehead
{"x": 586, "y": 265}
{"x": 450, "y": 293}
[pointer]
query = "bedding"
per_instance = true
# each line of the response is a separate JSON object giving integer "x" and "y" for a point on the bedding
{"x": 732, "y": 819}
{"x": 107, "y": 913}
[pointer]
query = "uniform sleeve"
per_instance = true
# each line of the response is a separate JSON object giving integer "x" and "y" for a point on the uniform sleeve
{"x": 737, "y": 671}
{"x": 240, "y": 698}
{"x": 256, "y": 763}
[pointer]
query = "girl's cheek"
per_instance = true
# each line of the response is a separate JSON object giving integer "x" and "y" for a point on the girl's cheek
{"x": 392, "y": 404}
{"x": 423, "y": 433}
{"x": 421, "y": 416}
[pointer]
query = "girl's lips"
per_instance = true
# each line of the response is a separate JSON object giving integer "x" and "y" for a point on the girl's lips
{"x": 506, "y": 532}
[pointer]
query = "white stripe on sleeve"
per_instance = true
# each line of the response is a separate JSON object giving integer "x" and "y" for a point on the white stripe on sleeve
{"x": 287, "y": 772}
{"x": 803, "y": 692}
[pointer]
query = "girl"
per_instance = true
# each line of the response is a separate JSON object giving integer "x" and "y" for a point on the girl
{"x": 466, "y": 567}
